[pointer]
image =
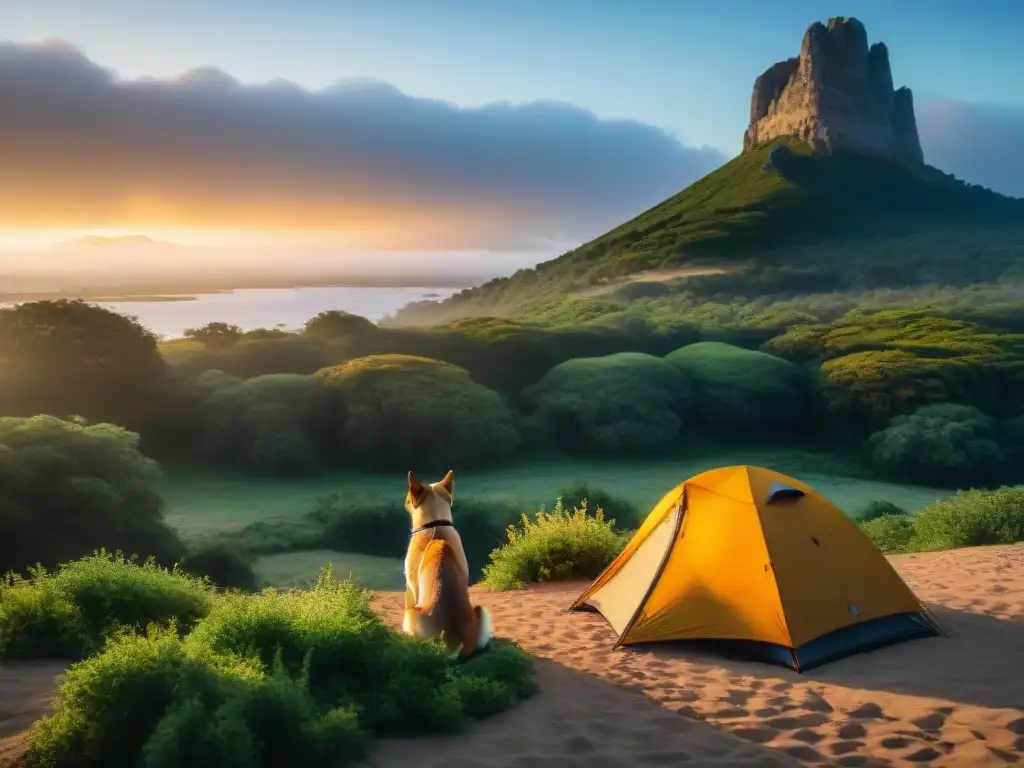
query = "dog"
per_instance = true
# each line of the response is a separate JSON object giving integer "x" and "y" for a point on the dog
{"x": 437, "y": 602}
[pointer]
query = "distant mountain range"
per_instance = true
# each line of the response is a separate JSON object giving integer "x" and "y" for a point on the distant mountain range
{"x": 99, "y": 241}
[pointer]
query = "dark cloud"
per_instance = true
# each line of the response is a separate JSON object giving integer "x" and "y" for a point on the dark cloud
{"x": 979, "y": 143}
{"x": 78, "y": 147}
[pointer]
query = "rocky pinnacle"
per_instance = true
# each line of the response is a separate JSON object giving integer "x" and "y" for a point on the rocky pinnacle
{"x": 836, "y": 95}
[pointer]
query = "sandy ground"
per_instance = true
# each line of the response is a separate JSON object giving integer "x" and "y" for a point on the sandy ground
{"x": 953, "y": 701}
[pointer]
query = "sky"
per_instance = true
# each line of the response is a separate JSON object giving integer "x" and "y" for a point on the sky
{"x": 437, "y": 124}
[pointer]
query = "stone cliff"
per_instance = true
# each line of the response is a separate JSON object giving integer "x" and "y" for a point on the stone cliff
{"x": 838, "y": 94}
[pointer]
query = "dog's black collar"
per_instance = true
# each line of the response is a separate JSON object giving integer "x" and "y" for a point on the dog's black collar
{"x": 428, "y": 526}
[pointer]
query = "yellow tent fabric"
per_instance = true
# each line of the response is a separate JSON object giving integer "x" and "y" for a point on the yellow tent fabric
{"x": 745, "y": 554}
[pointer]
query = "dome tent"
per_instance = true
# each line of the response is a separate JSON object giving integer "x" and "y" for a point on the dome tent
{"x": 757, "y": 563}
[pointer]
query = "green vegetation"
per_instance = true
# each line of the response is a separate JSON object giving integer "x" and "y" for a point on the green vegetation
{"x": 399, "y": 410}
{"x": 628, "y": 403}
{"x": 968, "y": 519}
{"x": 785, "y": 228}
{"x": 268, "y": 423}
{"x": 68, "y": 488}
{"x": 297, "y": 678}
{"x": 743, "y": 391}
{"x": 971, "y": 518}
{"x": 71, "y": 612}
{"x": 554, "y": 546}
{"x": 943, "y": 445}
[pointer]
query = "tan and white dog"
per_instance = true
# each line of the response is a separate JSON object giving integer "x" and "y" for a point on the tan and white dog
{"x": 437, "y": 575}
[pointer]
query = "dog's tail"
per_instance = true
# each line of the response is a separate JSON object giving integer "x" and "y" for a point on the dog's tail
{"x": 483, "y": 619}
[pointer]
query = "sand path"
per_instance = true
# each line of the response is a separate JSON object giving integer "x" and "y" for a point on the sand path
{"x": 956, "y": 701}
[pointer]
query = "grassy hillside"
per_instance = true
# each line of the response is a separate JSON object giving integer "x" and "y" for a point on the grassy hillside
{"x": 780, "y": 220}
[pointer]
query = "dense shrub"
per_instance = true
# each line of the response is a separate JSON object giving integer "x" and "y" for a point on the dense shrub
{"x": 336, "y": 324}
{"x": 878, "y": 509}
{"x": 68, "y": 488}
{"x": 552, "y": 546}
{"x": 400, "y": 411}
{"x": 619, "y": 511}
{"x": 68, "y": 358}
{"x": 880, "y": 364}
{"x": 272, "y": 424}
{"x": 224, "y": 565}
{"x": 263, "y": 356}
{"x": 70, "y": 612}
{"x": 618, "y": 404}
{"x": 743, "y": 391}
{"x": 891, "y": 533}
{"x": 295, "y": 678}
{"x": 215, "y": 335}
{"x": 382, "y": 527}
{"x": 971, "y": 518}
{"x": 943, "y": 445}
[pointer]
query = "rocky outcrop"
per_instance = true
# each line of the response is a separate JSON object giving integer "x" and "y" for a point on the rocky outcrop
{"x": 837, "y": 95}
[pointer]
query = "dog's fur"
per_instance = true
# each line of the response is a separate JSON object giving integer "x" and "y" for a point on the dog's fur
{"x": 437, "y": 600}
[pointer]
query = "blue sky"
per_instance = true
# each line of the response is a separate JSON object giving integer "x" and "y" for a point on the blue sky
{"x": 683, "y": 65}
{"x": 459, "y": 124}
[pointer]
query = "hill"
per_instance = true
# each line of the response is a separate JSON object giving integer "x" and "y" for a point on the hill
{"x": 779, "y": 219}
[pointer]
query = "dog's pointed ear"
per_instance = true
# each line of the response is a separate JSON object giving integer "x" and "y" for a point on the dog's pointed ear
{"x": 449, "y": 482}
{"x": 415, "y": 487}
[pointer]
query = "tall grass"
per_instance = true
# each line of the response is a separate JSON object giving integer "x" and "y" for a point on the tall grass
{"x": 69, "y": 613}
{"x": 281, "y": 678}
{"x": 552, "y": 546}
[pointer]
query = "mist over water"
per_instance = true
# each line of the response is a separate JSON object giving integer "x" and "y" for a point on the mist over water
{"x": 286, "y": 308}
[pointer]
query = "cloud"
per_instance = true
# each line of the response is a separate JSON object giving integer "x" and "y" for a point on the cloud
{"x": 979, "y": 143}
{"x": 81, "y": 148}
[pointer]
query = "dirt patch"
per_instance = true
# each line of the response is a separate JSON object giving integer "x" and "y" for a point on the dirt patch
{"x": 27, "y": 691}
{"x": 652, "y": 276}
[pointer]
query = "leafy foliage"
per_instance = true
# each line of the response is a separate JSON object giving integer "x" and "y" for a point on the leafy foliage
{"x": 553, "y": 546}
{"x": 971, "y": 518}
{"x": 619, "y": 404}
{"x": 943, "y": 445}
{"x": 71, "y": 612}
{"x": 891, "y": 533}
{"x": 740, "y": 390}
{"x": 399, "y": 410}
{"x": 886, "y": 363}
{"x": 68, "y": 488}
{"x": 68, "y": 358}
{"x": 222, "y": 564}
{"x": 272, "y": 423}
{"x": 296, "y": 678}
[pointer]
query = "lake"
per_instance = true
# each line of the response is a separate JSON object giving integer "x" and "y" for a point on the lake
{"x": 286, "y": 308}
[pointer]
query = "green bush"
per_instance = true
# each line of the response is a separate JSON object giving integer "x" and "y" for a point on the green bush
{"x": 223, "y": 564}
{"x": 891, "y": 533}
{"x": 971, "y": 518}
{"x": 68, "y": 488}
{"x": 743, "y": 391}
{"x": 382, "y": 528}
{"x": 876, "y": 509}
{"x": 68, "y": 358}
{"x": 70, "y": 612}
{"x": 399, "y": 411}
{"x": 943, "y": 445}
{"x": 337, "y": 324}
{"x": 625, "y": 403}
{"x": 294, "y": 678}
{"x": 553, "y": 546}
{"x": 265, "y": 356}
{"x": 621, "y": 512}
{"x": 268, "y": 424}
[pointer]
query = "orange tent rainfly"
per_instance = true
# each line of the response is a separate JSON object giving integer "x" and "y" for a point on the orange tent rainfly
{"x": 759, "y": 563}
